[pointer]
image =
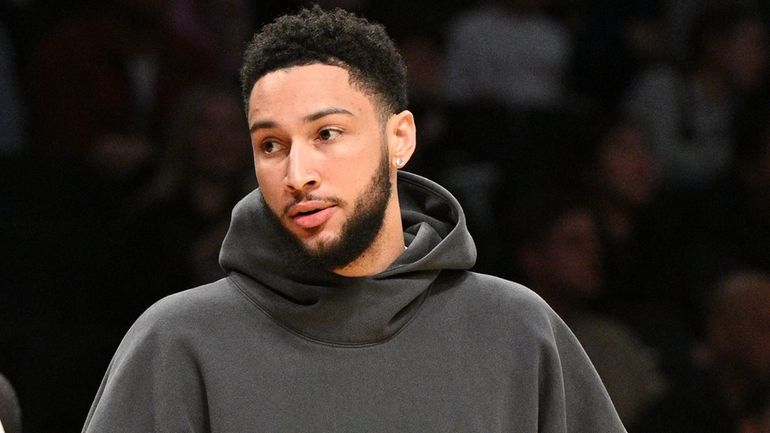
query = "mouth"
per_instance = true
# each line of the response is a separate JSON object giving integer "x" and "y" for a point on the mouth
{"x": 310, "y": 214}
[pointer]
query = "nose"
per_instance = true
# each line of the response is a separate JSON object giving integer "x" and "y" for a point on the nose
{"x": 301, "y": 174}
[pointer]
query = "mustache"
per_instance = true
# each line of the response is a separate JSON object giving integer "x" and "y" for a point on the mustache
{"x": 311, "y": 197}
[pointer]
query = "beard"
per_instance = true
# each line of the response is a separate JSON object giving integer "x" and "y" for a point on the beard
{"x": 357, "y": 233}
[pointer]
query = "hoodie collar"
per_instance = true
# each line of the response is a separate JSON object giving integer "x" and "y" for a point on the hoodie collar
{"x": 323, "y": 306}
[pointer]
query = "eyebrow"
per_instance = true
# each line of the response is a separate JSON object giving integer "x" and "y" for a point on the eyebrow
{"x": 263, "y": 124}
{"x": 325, "y": 112}
{"x": 266, "y": 124}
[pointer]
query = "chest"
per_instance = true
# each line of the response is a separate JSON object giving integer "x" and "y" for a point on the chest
{"x": 448, "y": 382}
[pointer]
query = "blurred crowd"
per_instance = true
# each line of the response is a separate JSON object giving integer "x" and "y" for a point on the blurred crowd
{"x": 612, "y": 156}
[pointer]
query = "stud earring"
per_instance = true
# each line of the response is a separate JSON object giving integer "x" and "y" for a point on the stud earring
{"x": 399, "y": 163}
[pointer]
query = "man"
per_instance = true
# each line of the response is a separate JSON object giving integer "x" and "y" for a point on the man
{"x": 348, "y": 306}
{"x": 726, "y": 367}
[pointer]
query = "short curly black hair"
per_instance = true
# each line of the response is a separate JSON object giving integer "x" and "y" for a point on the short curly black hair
{"x": 335, "y": 37}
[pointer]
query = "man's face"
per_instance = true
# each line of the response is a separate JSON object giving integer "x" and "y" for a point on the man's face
{"x": 321, "y": 160}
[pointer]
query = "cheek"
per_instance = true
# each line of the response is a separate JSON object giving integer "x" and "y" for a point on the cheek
{"x": 269, "y": 182}
{"x": 349, "y": 175}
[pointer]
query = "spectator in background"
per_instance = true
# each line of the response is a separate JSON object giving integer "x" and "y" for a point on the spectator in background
{"x": 507, "y": 51}
{"x": 100, "y": 83}
{"x": 733, "y": 222}
{"x": 642, "y": 256}
{"x": 504, "y": 72}
{"x": 735, "y": 354}
{"x": 613, "y": 42}
{"x": 624, "y": 184}
{"x": 423, "y": 58}
{"x": 681, "y": 16}
{"x": 218, "y": 28}
{"x": 80, "y": 270}
{"x": 559, "y": 254}
{"x": 688, "y": 113}
{"x": 176, "y": 226}
{"x": 10, "y": 413}
{"x": 557, "y": 249}
{"x": 742, "y": 204}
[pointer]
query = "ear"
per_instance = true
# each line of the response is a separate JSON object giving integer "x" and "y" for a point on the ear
{"x": 402, "y": 138}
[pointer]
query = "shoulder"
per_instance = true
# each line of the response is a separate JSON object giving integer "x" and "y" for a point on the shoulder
{"x": 184, "y": 315}
{"x": 488, "y": 290}
{"x": 196, "y": 302}
{"x": 177, "y": 331}
{"x": 496, "y": 304}
{"x": 155, "y": 381}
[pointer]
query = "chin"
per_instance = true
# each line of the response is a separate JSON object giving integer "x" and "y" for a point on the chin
{"x": 319, "y": 242}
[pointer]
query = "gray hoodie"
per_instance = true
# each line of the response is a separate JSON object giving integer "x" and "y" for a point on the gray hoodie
{"x": 424, "y": 346}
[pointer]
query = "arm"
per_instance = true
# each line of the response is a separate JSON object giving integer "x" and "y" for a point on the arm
{"x": 572, "y": 396}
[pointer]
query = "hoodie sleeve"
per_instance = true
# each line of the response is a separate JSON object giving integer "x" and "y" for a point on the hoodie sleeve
{"x": 572, "y": 396}
{"x": 153, "y": 383}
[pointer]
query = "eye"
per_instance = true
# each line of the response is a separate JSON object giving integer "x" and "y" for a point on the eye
{"x": 270, "y": 147}
{"x": 327, "y": 134}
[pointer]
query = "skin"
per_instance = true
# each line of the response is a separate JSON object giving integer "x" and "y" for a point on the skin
{"x": 317, "y": 142}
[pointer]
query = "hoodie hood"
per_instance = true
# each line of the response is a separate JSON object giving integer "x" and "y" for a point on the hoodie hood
{"x": 328, "y": 308}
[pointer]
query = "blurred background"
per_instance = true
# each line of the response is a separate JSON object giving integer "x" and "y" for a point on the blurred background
{"x": 613, "y": 156}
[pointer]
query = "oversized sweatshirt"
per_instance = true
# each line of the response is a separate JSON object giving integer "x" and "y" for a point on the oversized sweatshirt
{"x": 424, "y": 346}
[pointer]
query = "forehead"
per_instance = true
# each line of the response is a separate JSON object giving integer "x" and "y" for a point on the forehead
{"x": 299, "y": 90}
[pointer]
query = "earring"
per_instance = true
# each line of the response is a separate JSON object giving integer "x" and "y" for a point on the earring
{"x": 399, "y": 163}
